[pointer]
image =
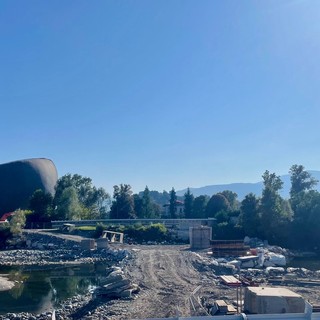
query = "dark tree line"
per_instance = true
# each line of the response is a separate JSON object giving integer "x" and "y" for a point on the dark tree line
{"x": 293, "y": 222}
{"x": 126, "y": 205}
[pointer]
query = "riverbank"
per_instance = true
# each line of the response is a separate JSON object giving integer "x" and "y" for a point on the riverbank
{"x": 168, "y": 275}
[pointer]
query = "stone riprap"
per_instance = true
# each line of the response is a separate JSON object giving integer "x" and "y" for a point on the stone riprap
{"x": 45, "y": 250}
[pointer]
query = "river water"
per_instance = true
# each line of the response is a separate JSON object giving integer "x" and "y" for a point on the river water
{"x": 39, "y": 291}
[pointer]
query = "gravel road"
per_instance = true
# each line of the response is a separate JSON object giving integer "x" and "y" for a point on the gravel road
{"x": 168, "y": 278}
{"x": 170, "y": 284}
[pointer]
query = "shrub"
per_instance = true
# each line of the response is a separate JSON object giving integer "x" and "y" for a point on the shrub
{"x": 227, "y": 231}
{"x": 17, "y": 222}
{"x": 99, "y": 230}
{"x": 136, "y": 232}
{"x": 153, "y": 232}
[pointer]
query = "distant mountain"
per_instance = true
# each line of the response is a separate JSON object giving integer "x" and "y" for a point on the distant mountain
{"x": 242, "y": 189}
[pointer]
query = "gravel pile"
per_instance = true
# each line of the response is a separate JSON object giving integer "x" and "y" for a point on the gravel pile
{"x": 60, "y": 256}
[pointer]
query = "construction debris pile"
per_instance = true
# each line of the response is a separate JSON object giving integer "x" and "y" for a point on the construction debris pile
{"x": 116, "y": 285}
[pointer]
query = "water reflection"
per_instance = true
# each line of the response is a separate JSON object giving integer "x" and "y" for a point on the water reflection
{"x": 38, "y": 291}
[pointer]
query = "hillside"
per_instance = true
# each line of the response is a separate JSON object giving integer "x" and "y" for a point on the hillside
{"x": 242, "y": 189}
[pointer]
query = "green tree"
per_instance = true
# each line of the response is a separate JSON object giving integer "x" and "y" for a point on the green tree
{"x": 94, "y": 201}
{"x": 156, "y": 209}
{"x": 68, "y": 206}
{"x": 188, "y": 204}
{"x": 102, "y": 202}
{"x": 173, "y": 204}
{"x": 199, "y": 206}
{"x": 218, "y": 202}
{"x": 41, "y": 206}
{"x": 250, "y": 219}
{"x": 158, "y": 197}
{"x": 306, "y": 220}
{"x": 123, "y": 204}
{"x": 274, "y": 219}
{"x": 301, "y": 180}
{"x": 232, "y": 199}
{"x": 138, "y": 206}
{"x": 17, "y": 222}
{"x": 147, "y": 207}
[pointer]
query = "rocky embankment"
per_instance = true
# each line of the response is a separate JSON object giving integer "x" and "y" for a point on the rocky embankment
{"x": 44, "y": 251}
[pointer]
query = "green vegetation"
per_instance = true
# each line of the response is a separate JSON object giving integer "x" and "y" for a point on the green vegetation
{"x": 123, "y": 204}
{"x": 11, "y": 230}
{"x": 173, "y": 204}
{"x": 86, "y": 228}
{"x": 188, "y": 204}
{"x": 138, "y": 233}
{"x": 17, "y": 222}
{"x": 293, "y": 222}
{"x": 75, "y": 199}
{"x": 145, "y": 207}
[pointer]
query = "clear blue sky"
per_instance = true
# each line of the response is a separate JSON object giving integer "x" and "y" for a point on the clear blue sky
{"x": 161, "y": 93}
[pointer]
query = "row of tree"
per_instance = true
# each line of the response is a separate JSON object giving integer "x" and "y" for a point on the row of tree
{"x": 289, "y": 221}
{"x": 76, "y": 198}
{"x": 292, "y": 222}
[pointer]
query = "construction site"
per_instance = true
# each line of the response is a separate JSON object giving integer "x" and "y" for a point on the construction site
{"x": 211, "y": 278}
{"x": 205, "y": 279}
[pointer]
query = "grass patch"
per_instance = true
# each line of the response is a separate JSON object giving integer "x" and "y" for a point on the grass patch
{"x": 138, "y": 232}
{"x": 86, "y": 228}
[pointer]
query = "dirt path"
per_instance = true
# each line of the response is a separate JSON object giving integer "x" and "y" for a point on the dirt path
{"x": 167, "y": 279}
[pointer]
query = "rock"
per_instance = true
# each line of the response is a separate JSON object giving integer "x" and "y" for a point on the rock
{"x": 125, "y": 283}
{"x": 112, "y": 279}
{"x": 221, "y": 260}
{"x": 274, "y": 270}
{"x": 113, "y": 270}
{"x": 272, "y": 259}
{"x": 5, "y": 284}
{"x": 248, "y": 264}
{"x": 126, "y": 293}
{"x": 235, "y": 263}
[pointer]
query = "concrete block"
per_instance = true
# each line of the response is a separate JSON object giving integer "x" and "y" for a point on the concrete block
{"x": 265, "y": 300}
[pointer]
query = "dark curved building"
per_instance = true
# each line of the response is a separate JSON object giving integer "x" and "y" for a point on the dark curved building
{"x": 19, "y": 180}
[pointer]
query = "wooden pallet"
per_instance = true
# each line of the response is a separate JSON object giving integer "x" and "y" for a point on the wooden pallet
{"x": 230, "y": 281}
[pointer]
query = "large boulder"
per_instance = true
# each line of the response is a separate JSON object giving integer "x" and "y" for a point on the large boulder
{"x": 19, "y": 180}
